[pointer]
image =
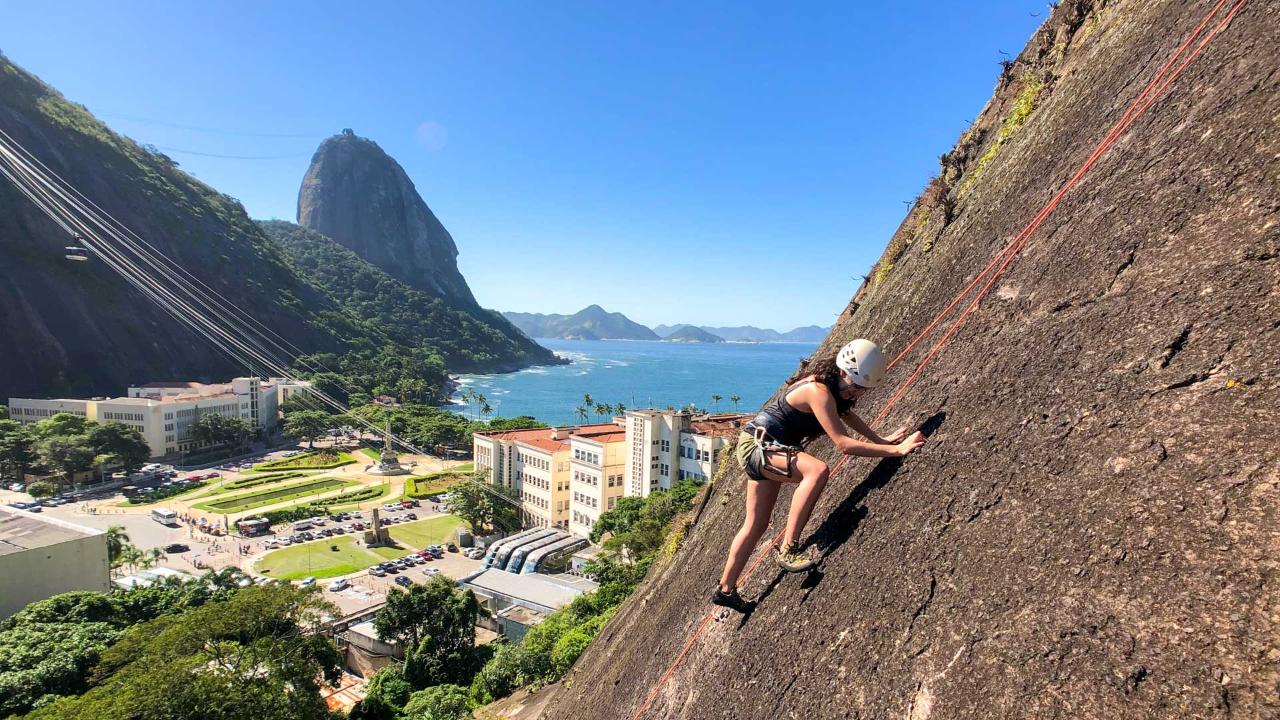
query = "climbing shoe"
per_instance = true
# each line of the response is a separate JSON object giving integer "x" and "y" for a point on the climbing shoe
{"x": 793, "y": 560}
{"x": 732, "y": 600}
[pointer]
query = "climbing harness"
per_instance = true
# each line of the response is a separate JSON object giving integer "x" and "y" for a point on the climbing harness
{"x": 757, "y": 461}
{"x": 999, "y": 263}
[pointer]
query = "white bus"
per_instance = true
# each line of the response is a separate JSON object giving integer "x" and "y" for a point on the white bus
{"x": 164, "y": 516}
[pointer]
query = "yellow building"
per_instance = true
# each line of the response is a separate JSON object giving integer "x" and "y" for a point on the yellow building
{"x": 540, "y": 466}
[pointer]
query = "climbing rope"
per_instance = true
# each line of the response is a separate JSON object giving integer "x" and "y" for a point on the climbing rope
{"x": 999, "y": 263}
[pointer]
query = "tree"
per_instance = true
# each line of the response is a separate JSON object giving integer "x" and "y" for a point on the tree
{"x": 66, "y": 454}
{"x": 715, "y": 401}
{"x": 385, "y": 694}
{"x": 485, "y": 507}
{"x": 435, "y": 623}
{"x": 117, "y": 540}
{"x": 120, "y": 444}
{"x": 442, "y": 702}
{"x": 620, "y": 408}
{"x": 623, "y": 515}
{"x": 603, "y": 409}
{"x": 42, "y": 489}
{"x": 259, "y": 653}
{"x": 485, "y": 408}
{"x": 4, "y": 412}
{"x": 735, "y": 399}
{"x": 581, "y": 412}
{"x": 17, "y": 449}
{"x": 307, "y": 425}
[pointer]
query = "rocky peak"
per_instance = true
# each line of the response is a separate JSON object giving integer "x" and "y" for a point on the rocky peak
{"x": 357, "y": 194}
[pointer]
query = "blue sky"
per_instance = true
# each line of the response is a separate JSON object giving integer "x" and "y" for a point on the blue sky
{"x": 713, "y": 163}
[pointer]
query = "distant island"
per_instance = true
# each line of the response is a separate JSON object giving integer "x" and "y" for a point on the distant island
{"x": 692, "y": 334}
{"x": 590, "y": 323}
{"x": 595, "y": 323}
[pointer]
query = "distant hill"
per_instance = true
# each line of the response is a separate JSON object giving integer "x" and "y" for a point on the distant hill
{"x": 748, "y": 333}
{"x": 693, "y": 334}
{"x": 590, "y": 323}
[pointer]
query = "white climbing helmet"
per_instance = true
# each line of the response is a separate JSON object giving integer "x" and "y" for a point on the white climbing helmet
{"x": 863, "y": 361}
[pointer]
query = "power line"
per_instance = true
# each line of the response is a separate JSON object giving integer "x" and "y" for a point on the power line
{"x": 211, "y": 131}
{"x": 230, "y": 157}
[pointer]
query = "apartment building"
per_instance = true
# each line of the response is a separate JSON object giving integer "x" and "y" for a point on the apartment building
{"x": 597, "y": 466}
{"x": 164, "y": 412}
{"x": 666, "y": 446}
{"x": 539, "y": 465}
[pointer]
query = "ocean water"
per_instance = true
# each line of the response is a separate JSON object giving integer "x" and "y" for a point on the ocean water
{"x": 639, "y": 373}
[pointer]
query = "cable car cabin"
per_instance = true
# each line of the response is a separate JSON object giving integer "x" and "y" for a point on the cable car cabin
{"x": 78, "y": 254}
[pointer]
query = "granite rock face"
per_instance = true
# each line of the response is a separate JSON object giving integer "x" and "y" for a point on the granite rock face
{"x": 358, "y": 195}
{"x": 1093, "y": 528}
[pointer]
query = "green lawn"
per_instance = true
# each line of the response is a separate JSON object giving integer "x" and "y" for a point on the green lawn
{"x": 317, "y": 559}
{"x": 271, "y": 496}
{"x": 318, "y": 460}
{"x": 421, "y": 533}
{"x": 371, "y": 453}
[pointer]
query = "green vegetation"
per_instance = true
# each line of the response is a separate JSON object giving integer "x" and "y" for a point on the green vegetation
{"x": 429, "y": 427}
{"x": 63, "y": 646}
{"x": 155, "y": 495}
{"x": 482, "y": 506}
{"x": 346, "y": 501}
{"x": 323, "y": 460}
{"x": 319, "y": 559}
{"x": 231, "y": 433}
{"x": 249, "y": 481}
{"x": 465, "y": 339}
{"x": 252, "y": 653}
{"x": 438, "y": 482}
{"x": 67, "y": 444}
{"x": 436, "y": 624}
{"x": 1022, "y": 108}
{"x": 307, "y": 425}
{"x": 272, "y": 496}
{"x": 421, "y": 533}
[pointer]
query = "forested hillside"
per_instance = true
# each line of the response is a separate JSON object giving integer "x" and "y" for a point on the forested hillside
{"x": 469, "y": 340}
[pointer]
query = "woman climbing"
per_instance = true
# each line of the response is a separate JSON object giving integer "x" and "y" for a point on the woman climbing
{"x": 820, "y": 398}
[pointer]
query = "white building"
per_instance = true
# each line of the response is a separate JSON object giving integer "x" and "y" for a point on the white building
{"x": 665, "y": 446}
{"x": 567, "y": 477}
{"x": 41, "y": 557}
{"x": 164, "y": 412}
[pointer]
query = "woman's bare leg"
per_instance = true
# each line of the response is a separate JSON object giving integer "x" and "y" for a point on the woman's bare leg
{"x": 813, "y": 474}
{"x": 761, "y": 496}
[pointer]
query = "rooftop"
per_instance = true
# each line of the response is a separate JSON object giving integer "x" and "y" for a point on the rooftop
{"x": 540, "y": 592}
{"x": 719, "y": 425}
{"x": 544, "y": 438}
{"x": 21, "y": 530}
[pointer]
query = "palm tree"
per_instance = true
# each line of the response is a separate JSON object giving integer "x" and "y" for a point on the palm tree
{"x": 620, "y": 409}
{"x": 581, "y": 410}
{"x": 130, "y": 557}
{"x": 485, "y": 408}
{"x": 117, "y": 541}
{"x": 715, "y": 402}
{"x": 735, "y": 399}
{"x": 586, "y": 399}
{"x": 155, "y": 556}
{"x": 603, "y": 409}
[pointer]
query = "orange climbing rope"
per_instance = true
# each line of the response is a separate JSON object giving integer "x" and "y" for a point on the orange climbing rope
{"x": 1000, "y": 263}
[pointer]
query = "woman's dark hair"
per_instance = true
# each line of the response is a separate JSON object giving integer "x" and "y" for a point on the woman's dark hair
{"x": 824, "y": 370}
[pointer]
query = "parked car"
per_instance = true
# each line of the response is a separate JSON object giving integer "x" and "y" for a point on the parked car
{"x": 307, "y": 582}
{"x": 411, "y": 516}
{"x": 339, "y": 585}
{"x": 431, "y": 571}
{"x": 176, "y": 548}
{"x": 403, "y": 581}
{"x": 35, "y": 508}
{"x": 377, "y": 571}
{"x": 406, "y": 504}
{"x": 453, "y": 548}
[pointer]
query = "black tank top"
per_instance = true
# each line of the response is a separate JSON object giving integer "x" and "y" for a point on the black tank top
{"x": 788, "y": 424}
